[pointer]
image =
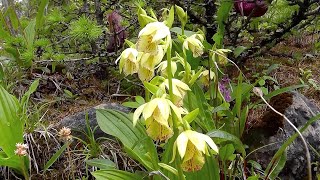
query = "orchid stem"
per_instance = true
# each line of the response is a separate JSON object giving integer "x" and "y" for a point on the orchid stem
{"x": 187, "y": 75}
{"x": 174, "y": 118}
{"x": 182, "y": 30}
{"x": 147, "y": 95}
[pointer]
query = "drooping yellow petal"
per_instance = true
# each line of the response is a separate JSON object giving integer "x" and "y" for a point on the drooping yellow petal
{"x": 182, "y": 142}
{"x": 145, "y": 74}
{"x": 164, "y": 108}
{"x": 158, "y": 31}
{"x": 205, "y": 79}
{"x": 163, "y": 68}
{"x": 194, "y": 43}
{"x": 181, "y": 84}
{"x": 176, "y": 110}
{"x": 194, "y": 161}
{"x": 149, "y": 61}
{"x": 158, "y": 131}
{"x": 196, "y": 140}
{"x": 210, "y": 142}
{"x": 174, "y": 151}
{"x": 145, "y": 45}
{"x": 128, "y": 61}
{"x": 159, "y": 118}
{"x": 149, "y": 108}
{"x": 179, "y": 88}
{"x": 190, "y": 151}
{"x": 137, "y": 114}
{"x": 130, "y": 67}
{"x": 161, "y": 33}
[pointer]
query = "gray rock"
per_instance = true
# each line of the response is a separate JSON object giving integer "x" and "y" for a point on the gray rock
{"x": 299, "y": 111}
{"x": 77, "y": 122}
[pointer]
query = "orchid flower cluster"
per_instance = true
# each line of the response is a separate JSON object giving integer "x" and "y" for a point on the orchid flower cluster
{"x": 164, "y": 113}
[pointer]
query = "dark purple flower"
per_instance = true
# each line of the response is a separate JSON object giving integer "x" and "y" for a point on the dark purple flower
{"x": 223, "y": 87}
{"x": 118, "y": 33}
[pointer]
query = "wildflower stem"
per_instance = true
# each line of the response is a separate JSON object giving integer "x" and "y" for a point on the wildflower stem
{"x": 259, "y": 93}
{"x": 147, "y": 95}
{"x": 169, "y": 69}
{"x": 182, "y": 29}
{"x": 174, "y": 118}
{"x": 23, "y": 167}
{"x": 214, "y": 95}
{"x": 70, "y": 161}
{"x": 187, "y": 75}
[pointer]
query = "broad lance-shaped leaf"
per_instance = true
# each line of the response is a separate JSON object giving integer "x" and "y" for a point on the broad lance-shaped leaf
{"x": 134, "y": 139}
{"x": 10, "y": 123}
{"x": 30, "y": 32}
{"x": 41, "y": 12}
{"x": 114, "y": 174}
{"x": 13, "y": 162}
{"x": 229, "y": 137}
{"x": 11, "y": 13}
{"x": 11, "y": 131}
{"x": 222, "y": 16}
{"x": 101, "y": 163}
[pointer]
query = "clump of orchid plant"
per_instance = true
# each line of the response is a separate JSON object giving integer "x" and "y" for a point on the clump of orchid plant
{"x": 163, "y": 113}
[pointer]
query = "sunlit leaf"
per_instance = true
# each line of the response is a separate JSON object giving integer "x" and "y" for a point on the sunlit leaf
{"x": 101, "y": 163}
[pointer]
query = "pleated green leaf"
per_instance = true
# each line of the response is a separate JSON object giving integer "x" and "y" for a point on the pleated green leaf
{"x": 134, "y": 139}
{"x": 113, "y": 174}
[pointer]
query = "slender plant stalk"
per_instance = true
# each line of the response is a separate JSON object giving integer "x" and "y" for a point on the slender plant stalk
{"x": 258, "y": 92}
{"x": 24, "y": 170}
{"x": 70, "y": 163}
{"x": 182, "y": 29}
{"x": 214, "y": 99}
{"x": 174, "y": 118}
{"x": 169, "y": 69}
{"x": 147, "y": 95}
{"x": 187, "y": 75}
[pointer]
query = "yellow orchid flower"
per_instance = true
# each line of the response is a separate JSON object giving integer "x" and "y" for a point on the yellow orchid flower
{"x": 194, "y": 43}
{"x": 129, "y": 62}
{"x": 162, "y": 68}
{"x": 145, "y": 74}
{"x": 149, "y": 61}
{"x": 150, "y": 37}
{"x": 158, "y": 109}
{"x": 158, "y": 131}
{"x": 157, "y": 114}
{"x": 205, "y": 79}
{"x": 191, "y": 147}
{"x": 222, "y": 56}
{"x": 179, "y": 89}
{"x": 158, "y": 31}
